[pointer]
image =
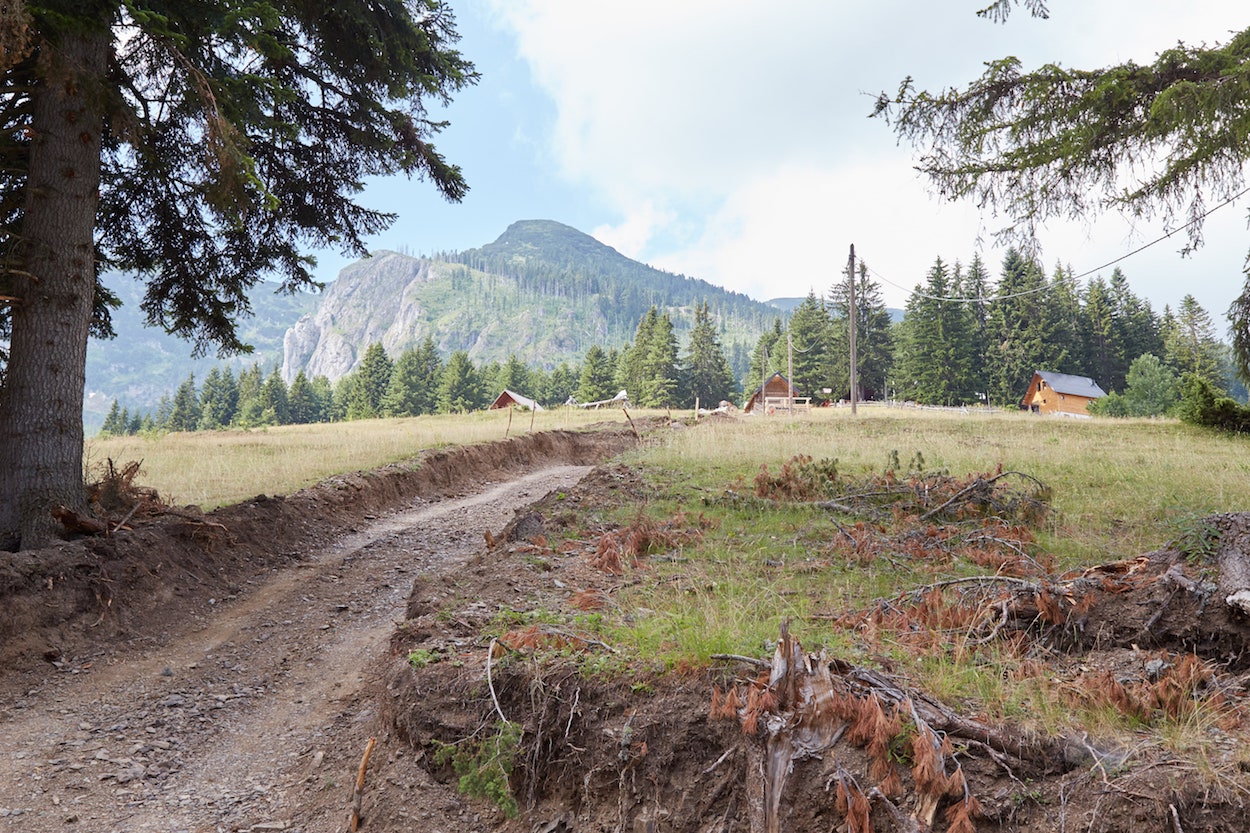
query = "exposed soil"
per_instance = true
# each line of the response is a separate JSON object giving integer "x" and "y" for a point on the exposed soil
{"x": 225, "y": 672}
{"x": 208, "y": 673}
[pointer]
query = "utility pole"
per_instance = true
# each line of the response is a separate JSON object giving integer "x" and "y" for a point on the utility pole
{"x": 763, "y": 403}
{"x": 790, "y": 374}
{"x": 854, "y": 314}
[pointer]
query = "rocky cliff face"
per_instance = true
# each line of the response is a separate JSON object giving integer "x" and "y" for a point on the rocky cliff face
{"x": 373, "y": 300}
{"x": 543, "y": 292}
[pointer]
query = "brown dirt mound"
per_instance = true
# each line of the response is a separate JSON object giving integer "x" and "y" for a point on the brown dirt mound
{"x": 69, "y": 601}
{"x": 852, "y": 749}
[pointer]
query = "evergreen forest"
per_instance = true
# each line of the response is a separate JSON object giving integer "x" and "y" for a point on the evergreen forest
{"x": 967, "y": 338}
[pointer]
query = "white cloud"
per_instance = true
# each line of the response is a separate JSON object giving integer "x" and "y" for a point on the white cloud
{"x": 632, "y": 236}
{"x": 730, "y": 139}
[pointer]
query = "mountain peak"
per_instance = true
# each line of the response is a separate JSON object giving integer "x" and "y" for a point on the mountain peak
{"x": 549, "y": 241}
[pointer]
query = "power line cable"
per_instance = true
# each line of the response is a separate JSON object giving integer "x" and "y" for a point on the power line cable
{"x": 1085, "y": 274}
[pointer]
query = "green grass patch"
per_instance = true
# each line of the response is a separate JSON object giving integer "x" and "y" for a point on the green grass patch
{"x": 1115, "y": 489}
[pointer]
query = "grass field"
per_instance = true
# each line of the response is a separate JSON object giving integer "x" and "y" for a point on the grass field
{"x": 1120, "y": 487}
{"x": 1117, "y": 488}
{"x": 215, "y": 468}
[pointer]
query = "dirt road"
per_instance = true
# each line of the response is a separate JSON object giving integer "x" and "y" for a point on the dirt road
{"x": 251, "y": 717}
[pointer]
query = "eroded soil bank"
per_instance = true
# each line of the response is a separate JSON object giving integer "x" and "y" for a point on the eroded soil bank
{"x": 808, "y": 742}
{"x": 225, "y": 672}
{"x": 68, "y": 601}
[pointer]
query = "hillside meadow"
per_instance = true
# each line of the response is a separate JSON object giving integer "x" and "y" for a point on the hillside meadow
{"x": 1119, "y": 487}
{"x": 722, "y": 565}
{"x": 216, "y": 468}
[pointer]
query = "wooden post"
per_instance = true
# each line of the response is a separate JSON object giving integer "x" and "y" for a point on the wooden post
{"x": 359, "y": 793}
{"x": 631, "y": 423}
{"x": 850, "y": 274}
{"x": 509, "y": 428}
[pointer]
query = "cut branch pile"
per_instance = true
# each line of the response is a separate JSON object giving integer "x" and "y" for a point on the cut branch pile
{"x": 984, "y": 518}
{"x": 808, "y": 703}
{"x": 927, "y": 496}
{"x": 619, "y": 549}
{"x": 910, "y": 775}
{"x": 114, "y": 499}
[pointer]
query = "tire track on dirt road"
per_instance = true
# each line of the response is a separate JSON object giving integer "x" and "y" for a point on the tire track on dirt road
{"x": 226, "y": 727}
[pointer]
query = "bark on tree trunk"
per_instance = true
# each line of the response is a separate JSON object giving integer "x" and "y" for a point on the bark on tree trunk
{"x": 41, "y": 435}
{"x": 1232, "y": 556}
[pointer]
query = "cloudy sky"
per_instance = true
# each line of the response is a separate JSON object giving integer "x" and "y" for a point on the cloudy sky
{"x": 729, "y": 140}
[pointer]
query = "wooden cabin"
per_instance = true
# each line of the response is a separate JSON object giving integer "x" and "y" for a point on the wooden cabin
{"x": 509, "y": 399}
{"x": 1060, "y": 393}
{"x": 777, "y": 393}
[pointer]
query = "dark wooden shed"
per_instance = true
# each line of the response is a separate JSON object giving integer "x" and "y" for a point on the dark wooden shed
{"x": 776, "y": 391}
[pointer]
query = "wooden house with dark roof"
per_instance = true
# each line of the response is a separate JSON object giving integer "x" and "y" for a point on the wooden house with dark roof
{"x": 1060, "y": 393}
{"x": 511, "y": 399}
{"x": 777, "y": 393}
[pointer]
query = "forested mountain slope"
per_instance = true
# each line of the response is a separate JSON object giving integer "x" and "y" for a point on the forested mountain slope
{"x": 543, "y": 292}
{"x": 145, "y": 363}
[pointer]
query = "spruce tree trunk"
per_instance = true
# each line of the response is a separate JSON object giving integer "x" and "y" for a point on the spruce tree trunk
{"x": 41, "y": 434}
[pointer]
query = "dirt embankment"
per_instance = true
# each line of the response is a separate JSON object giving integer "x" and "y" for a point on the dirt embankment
{"x": 255, "y": 718}
{"x": 810, "y": 742}
{"x": 66, "y": 602}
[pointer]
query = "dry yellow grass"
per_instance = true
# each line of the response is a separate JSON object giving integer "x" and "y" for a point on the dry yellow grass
{"x": 214, "y": 468}
{"x": 1119, "y": 485}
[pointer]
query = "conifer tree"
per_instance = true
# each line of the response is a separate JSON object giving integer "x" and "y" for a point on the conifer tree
{"x": 184, "y": 414}
{"x": 811, "y": 334}
{"x": 1166, "y": 138}
{"x": 323, "y": 396}
{"x": 1191, "y": 343}
{"x": 429, "y": 376}
{"x": 219, "y": 399}
{"x": 515, "y": 376}
{"x": 274, "y": 404}
{"x": 976, "y": 285}
{"x": 341, "y": 395}
{"x": 706, "y": 372}
{"x": 1020, "y": 326}
{"x": 489, "y": 376}
{"x": 204, "y": 145}
{"x": 597, "y": 378}
{"x": 1105, "y": 362}
{"x": 1134, "y": 323}
{"x": 114, "y": 423}
{"x": 631, "y": 366}
{"x": 247, "y": 411}
{"x": 560, "y": 385}
{"x": 659, "y": 365}
{"x": 461, "y": 387}
{"x": 402, "y": 391}
{"x": 769, "y": 356}
{"x": 935, "y": 350}
{"x": 372, "y": 378}
{"x": 1063, "y": 314}
{"x": 302, "y": 405}
{"x": 874, "y": 339}
{"x": 160, "y": 419}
